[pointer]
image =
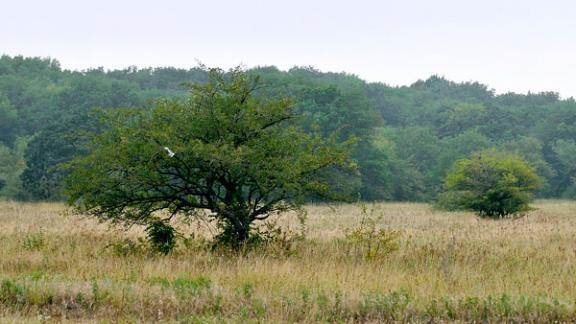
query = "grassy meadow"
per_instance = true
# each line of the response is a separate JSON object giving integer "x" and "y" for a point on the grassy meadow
{"x": 437, "y": 266}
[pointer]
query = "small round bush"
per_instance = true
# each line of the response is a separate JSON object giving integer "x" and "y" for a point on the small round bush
{"x": 161, "y": 236}
{"x": 491, "y": 184}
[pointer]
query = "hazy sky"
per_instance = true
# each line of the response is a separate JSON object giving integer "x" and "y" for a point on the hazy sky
{"x": 510, "y": 45}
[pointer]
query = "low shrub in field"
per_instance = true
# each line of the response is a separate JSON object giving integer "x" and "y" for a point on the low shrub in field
{"x": 491, "y": 184}
{"x": 370, "y": 242}
{"x": 162, "y": 236}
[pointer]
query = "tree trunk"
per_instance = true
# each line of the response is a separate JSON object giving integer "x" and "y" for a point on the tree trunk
{"x": 236, "y": 228}
{"x": 243, "y": 234}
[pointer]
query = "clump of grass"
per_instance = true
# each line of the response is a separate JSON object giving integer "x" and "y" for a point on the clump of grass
{"x": 183, "y": 286}
{"x": 34, "y": 241}
{"x": 191, "y": 286}
{"x": 273, "y": 240}
{"x": 10, "y": 292}
{"x": 127, "y": 247}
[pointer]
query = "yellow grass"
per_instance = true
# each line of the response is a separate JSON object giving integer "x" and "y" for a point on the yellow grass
{"x": 449, "y": 266}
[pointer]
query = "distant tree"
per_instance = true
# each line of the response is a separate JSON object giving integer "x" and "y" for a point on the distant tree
{"x": 58, "y": 141}
{"x": 8, "y": 122}
{"x": 376, "y": 160}
{"x": 351, "y": 115}
{"x": 453, "y": 149}
{"x": 438, "y": 87}
{"x": 12, "y": 164}
{"x": 6, "y": 161}
{"x": 531, "y": 150}
{"x": 455, "y": 119}
{"x": 493, "y": 185}
{"x": 565, "y": 151}
{"x": 223, "y": 150}
{"x": 42, "y": 178}
{"x": 87, "y": 92}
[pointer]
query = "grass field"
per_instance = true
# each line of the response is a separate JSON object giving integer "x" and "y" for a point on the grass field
{"x": 447, "y": 266}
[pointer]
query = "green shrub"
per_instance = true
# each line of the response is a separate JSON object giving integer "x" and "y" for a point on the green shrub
{"x": 162, "y": 236}
{"x": 491, "y": 184}
{"x": 371, "y": 242}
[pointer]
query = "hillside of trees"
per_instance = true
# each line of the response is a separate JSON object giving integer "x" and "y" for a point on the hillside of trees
{"x": 408, "y": 137}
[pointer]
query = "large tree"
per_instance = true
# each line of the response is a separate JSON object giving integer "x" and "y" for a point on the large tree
{"x": 224, "y": 149}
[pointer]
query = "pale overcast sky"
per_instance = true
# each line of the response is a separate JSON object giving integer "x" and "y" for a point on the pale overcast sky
{"x": 510, "y": 45}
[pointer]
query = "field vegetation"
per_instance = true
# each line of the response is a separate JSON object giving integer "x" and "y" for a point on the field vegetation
{"x": 346, "y": 263}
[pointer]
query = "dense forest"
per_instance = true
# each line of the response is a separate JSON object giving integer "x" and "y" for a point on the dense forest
{"x": 408, "y": 137}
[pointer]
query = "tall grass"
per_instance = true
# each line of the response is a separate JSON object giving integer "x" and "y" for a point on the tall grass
{"x": 444, "y": 266}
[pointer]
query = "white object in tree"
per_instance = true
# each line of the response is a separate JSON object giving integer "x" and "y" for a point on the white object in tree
{"x": 170, "y": 153}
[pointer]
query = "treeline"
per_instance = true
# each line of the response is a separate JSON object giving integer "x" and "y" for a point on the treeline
{"x": 407, "y": 137}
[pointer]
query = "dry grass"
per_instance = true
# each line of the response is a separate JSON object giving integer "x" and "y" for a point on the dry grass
{"x": 449, "y": 266}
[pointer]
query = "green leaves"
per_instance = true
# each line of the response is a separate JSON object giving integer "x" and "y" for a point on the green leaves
{"x": 222, "y": 149}
{"x": 565, "y": 151}
{"x": 492, "y": 184}
{"x": 12, "y": 163}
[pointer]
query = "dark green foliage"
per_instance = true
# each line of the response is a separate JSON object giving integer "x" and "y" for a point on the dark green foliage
{"x": 565, "y": 158}
{"x": 161, "y": 236}
{"x": 407, "y": 137}
{"x": 492, "y": 185}
{"x": 8, "y": 121}
{"x": 88, "y": 92}
{"x": 223, "y": 149}
{"x": 12, "y": 163}
{"x": 42, "y": 178}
